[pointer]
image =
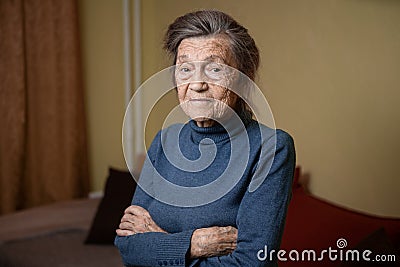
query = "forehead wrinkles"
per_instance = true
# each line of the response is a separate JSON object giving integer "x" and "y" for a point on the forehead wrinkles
{"x": 197, "y": 49}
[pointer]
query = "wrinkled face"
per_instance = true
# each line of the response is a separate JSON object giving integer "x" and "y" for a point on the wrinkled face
{"x": 202, "y": 78}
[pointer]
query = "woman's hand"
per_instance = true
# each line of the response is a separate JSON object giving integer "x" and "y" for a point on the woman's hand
{"x": 137, "y": 220}
{"x": 205, "y": 242}
{"x": 213, "y": 241}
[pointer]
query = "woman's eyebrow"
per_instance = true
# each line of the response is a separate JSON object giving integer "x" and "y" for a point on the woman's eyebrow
{"x": 213, "y": 57}
{"x": 185, "y": 58}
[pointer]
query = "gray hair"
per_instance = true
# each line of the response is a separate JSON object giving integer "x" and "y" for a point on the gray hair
{"x": 213, "y": 22}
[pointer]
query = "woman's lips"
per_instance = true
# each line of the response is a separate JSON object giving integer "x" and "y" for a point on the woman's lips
{"x": 201, "y": 102}
{"x": 204, "y": 99}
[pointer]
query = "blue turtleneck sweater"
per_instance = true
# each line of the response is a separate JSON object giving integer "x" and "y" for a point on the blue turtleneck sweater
{"x": 240, "y": 177}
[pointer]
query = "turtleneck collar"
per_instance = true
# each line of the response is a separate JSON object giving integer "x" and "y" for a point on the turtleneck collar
{"x": 217, "y": 132}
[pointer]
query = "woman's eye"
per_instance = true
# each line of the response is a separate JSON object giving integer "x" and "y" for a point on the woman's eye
{"x": 215, "y": 69}
{"x": 185, "y": 69}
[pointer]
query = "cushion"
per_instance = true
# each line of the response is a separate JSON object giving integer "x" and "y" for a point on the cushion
{"x": 118, "y": 193}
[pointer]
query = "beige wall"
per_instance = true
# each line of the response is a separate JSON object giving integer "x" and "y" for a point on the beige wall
{"x": 102, "y": 48}
{"x": 329, "y": 70}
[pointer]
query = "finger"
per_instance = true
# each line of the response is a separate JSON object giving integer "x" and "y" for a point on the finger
{"x": 136, "y": 210}
{"x": 228, "y": 239}
{"x": 224, "y": 237}
{"x": 137, "y": 228}
{"x": 131, "y": 209}
{"x": 229, "y": 229}
{"x": 142, "y": 222}
{"x": 228, "y": 234}
{"x": 227, "y": 247}
{"x": 134, "y": 218}
{"x": 127, "y": 226}
{"x": 124, "y": 232}
{"x": 137, "y": 219}
{"x": 128, "y": 217}
{"x": 153, "y": 228}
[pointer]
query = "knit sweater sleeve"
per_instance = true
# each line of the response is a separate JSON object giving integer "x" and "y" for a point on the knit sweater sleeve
{"x": 153, "y": 248}
{"x": 262, "y": 213}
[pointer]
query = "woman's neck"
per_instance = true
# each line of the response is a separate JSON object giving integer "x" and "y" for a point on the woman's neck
{"x": 205, "y": 123}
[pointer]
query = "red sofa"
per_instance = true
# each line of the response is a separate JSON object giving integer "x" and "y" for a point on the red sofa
{"x": 314, "y": 224}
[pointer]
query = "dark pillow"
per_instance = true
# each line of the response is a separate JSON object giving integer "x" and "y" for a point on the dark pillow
{"x": 118, "y": 194}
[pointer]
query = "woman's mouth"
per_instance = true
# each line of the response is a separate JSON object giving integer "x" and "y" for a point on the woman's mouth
{"x": 202, "y": 99}
{"x": 201, "y": 102}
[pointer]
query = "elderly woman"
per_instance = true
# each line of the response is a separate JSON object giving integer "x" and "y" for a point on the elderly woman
{"x": 229, "y": 230}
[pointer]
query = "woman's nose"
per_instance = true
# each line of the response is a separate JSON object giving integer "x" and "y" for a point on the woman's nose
{"x": 198, "y": 82}
{"x": 198, "y": 86}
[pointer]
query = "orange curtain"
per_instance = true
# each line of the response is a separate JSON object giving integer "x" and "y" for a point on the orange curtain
{"x": 43, "y": 154}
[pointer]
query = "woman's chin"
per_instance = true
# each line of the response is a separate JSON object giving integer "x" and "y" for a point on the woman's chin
{"x": 202, "y": 118}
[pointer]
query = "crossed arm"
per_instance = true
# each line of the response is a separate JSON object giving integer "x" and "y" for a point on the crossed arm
{"x": 205, "y": 242}
{"x": 260, "y": 221}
